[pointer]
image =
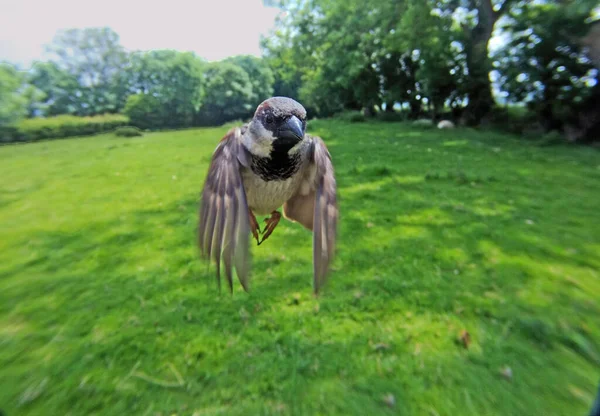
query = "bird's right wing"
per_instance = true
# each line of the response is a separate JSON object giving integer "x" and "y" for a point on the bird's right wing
{"x": 224, "y": 227}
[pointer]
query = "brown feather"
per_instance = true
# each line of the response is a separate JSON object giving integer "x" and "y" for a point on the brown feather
{"x": 301, "y": 208}
{"x": 317, "y": 209}
{"x": 224, "y": 229}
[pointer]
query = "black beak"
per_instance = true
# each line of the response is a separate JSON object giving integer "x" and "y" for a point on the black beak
{"x": 291, "y": 130}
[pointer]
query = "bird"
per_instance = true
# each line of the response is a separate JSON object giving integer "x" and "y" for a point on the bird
{"x": 255, "y": 169}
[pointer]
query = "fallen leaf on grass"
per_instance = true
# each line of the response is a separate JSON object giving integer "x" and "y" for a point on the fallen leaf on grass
{"x": 417, "y": 349}
{"x": 381, "y": 346}
{"x": 465, "y": 338}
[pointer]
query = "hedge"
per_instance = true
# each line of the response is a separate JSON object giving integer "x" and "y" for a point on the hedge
{"x": 33, "y": 129}
{"x": 128, "y": 131}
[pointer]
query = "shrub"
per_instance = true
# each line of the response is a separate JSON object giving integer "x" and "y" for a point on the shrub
{"x": 391, "y": 116}
{"x": 423, "y": 123}
{"x": 234, "y": 123}
{"x": 351, "y": 116}
{"x": 9, "y": 134}
{"x": 513, "y": 119}
{"x": 144, "y": 111}
{"x": 551, "y": 138}
{"x": 128, "y": 131}
{"x": 33, "y": 129}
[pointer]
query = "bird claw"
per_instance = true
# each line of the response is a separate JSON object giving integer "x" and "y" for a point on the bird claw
{"x": 272, "y": 222}
{"x": 254, "y": 227}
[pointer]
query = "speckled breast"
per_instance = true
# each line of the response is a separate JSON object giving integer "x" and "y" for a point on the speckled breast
{"x": 265, "y": 196}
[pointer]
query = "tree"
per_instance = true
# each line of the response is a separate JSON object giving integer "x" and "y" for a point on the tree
{"x": 432, "y": 59}
{"x": 34, "y": 100}
{"x": 477, "y": 20}
{"x": 94, "y": 57}
{"x": 13, "y": 106}
{"x": 261, "y": 76}
{"x": 145, "y": 111}
{"x": 400, "y": 83}
{"x": 326, "y": 45}
{"x": 60, "y": 91}
{"x": 543, "y": 64}
{"x": 174, "y": 79}
{"x": 287, "y": 77}
{"x": 228, "y": 94}
{"x": 279, "y": 51}
{"x": 359, "y": 54}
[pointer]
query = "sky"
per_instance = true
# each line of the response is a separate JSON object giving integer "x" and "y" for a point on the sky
{"x": 213, "y": 29}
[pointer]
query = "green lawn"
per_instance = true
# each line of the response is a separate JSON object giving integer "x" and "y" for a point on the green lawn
{"x": 105, "y": 308}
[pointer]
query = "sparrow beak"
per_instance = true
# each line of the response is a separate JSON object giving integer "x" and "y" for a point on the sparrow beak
{"x": 291, "y": 130}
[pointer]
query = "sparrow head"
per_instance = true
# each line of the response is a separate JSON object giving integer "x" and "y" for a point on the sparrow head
{"x": 278, "y": 122}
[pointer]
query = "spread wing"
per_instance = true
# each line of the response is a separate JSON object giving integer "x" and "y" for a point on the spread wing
{"x": 315, "y": 207}
{"x": 224, "y": 224}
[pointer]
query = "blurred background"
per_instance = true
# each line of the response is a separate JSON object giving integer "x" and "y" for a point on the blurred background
{"x": 526, "y": 66}
{"x": 464, "y": 137}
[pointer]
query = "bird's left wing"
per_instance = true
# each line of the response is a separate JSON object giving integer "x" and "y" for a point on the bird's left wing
{"x": 315, "y": 207}
{"x": 224, "y": 223}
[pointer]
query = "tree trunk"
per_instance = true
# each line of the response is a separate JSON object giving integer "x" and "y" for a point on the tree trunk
{"x": 592, "y": 42}
{"x": 415, "y": 109}
{"x": 479, "y": 88}
{"x": 434, "y": 111}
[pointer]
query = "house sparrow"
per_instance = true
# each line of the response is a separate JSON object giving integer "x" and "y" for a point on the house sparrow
{"x": 255, "y": 169}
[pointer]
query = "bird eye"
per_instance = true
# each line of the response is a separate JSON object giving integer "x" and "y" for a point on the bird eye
{"x": 270, "y": 119}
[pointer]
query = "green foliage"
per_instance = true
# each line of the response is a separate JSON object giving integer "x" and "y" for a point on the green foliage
{"x": 94, "y": 58}
{"x": 429, "y": 58}
{"x": 353, "y": 55}
{"x": 543, "y": 65}
{"x": 287, "y": 76}
{"x": 174, "y": 79}
{"x": 228, "y": 94}
{"x": 432, "y": 56}
{"x": 34, "y": 99}
{"x": 351, "y": 116}
{"x": 516, "y": 119}
{"x": 60, "y": 126}
{"x": 145, "y": 111}
{"x": 437, "y": 43}
{"x": 551, "y": 139}
{"x": 12, "y": 102}
{"x": 159, "y": 88}
{"x": 261, "y": 76}
{"x": 391, "y": 116}
{"x": 106, "y": 309}
{"x": 128, "y": 131}
{"x": 61, "y": 90}
{"x": 233, "y": 123}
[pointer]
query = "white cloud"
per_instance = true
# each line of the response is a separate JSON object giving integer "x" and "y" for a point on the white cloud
{"x": 212, "y": 29}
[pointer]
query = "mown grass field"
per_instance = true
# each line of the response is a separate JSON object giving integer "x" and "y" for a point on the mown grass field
{"x": 105, "y": 308}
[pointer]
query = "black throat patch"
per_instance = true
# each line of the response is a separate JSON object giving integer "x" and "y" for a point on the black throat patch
{"x": 280, "y": 166}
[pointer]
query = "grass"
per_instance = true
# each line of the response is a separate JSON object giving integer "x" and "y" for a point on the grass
{"x": 105, "y": 309}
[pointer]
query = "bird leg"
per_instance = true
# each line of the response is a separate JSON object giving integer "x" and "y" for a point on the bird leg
{"x": 272, "y": 222}
{"x": 254, "y": 226}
